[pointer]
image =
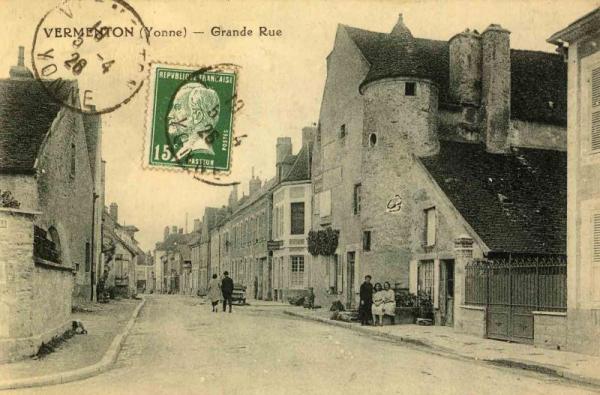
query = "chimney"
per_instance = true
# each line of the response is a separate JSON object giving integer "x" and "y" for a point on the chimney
{"x": 465, "y": 68}
{"x": 166, "y": 233}
{"x": 180, "y": 231}
{"x": 308, "y": 135}
{"x": 174, "y": 229}
{"x": 255, "y": 184}
{"x": 233, "y": 197}
{"x": 284, "y": 149}
{"x": 20, "y": 71}
{"x": 495, "y": 90}
{"x": 114, "y": 211}
{"x": 197, "y": 225}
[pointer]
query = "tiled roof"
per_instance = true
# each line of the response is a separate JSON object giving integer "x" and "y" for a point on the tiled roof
{"x": 515, "y": 202}
{"x": 301, "y": 168}
{"x": 537, "y": 77}
{"x": 26, "y": 114}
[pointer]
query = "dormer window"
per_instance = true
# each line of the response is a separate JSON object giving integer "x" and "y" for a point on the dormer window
{"x": 410, "y": 89}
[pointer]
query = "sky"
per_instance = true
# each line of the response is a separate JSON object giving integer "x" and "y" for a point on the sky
{"x": 281, "y": 79}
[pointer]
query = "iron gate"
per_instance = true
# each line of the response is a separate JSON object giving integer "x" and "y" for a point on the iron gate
{"x": 512, "y": 288}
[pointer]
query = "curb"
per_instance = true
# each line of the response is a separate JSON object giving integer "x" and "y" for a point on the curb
{"x": 107, "y": 361}
{"x": 507, "y": 363}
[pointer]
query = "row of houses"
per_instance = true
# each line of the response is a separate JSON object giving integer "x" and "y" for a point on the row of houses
{"x": 56, "y": 235}
{"x": 440, "y": 167}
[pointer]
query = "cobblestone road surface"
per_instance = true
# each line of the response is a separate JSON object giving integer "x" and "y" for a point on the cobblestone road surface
{"x": 179, "y": 347}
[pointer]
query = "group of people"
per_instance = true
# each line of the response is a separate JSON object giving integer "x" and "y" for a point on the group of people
{"x": 220, "y": 290}
{"x": 376, "y": 301}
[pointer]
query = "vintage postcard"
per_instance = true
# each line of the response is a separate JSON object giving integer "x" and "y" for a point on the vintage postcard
{"x": 300, "y": 197}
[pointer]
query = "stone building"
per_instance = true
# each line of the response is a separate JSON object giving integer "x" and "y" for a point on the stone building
{"x": 172, "y": 262}
{"x": 426, "y": 146}
{"x": 125, "y": 254}
{"x": 291, "y": 214}
{"x": 579, "y": 42}
{"x": 241, "y": 239}
{"x": 50, "y": 163}
{"x": 144, "y": 273}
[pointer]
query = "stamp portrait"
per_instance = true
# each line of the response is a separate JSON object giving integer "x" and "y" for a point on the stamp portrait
{"x": 190, "y": 117}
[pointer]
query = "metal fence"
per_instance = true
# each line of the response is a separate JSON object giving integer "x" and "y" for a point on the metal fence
{"x": 538, "y": 281}
{"x": 43, "y": 247}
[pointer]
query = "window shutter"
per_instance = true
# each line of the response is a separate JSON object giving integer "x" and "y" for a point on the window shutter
{"x": 596, "y": 238}
{"x": 595, "y": 110}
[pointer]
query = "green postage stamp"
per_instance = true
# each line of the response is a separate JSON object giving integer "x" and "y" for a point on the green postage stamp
{"x": 190, "y": 117}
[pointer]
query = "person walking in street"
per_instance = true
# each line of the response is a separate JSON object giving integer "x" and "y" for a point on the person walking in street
{"x": 214, "y": 293}
{"x": 366, "y": 301}
{"x": 227, "y": 290}
{"x": 389, "y": 302}
{"x": 378, "y": 300}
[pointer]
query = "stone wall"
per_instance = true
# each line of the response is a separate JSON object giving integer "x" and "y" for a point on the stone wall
{"x": 550, "y": 329}
{"x": 583, "y": 328}
{"x": 65, "y": 197}
{"x": 35, "y": 295}
{"x": 472, "y": 320}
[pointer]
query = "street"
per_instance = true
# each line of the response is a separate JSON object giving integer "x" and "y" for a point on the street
{"x": 179, "y": 347}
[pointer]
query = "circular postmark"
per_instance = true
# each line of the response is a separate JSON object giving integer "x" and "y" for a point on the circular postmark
{"x": 91, "y": 56}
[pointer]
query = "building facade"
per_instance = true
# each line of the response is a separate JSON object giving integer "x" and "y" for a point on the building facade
{"x": 125, "y": 254}
{"x": 51, "y": 183}
{"x": 579, "y": 43}
{"x": 422, "y": 148}
{"x": 51, "y": 163}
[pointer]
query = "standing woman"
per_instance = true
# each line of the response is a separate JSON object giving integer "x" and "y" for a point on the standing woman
{"x": 389, "y": 302}
{"x": 377, "y": 308}
{"x": 214, "y": 292}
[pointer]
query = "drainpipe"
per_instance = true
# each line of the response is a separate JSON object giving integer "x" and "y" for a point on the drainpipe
{"x": 92, "y": 258}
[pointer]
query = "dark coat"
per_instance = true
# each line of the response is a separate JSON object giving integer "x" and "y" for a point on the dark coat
{"x": 227, "y": 286}
{"x": 366, "y": 292}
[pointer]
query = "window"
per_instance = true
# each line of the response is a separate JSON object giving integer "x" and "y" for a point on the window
{"x": 88, "y": 256}
{"x": 595, "y": 138}
{"x": 73, "y": 159}
{"x": 357, "y": 198}
{"x": 372, "y": 139}
{"x": 297, "y": 279}
{"x": 297, "y": 218}
{"x": 410, "y": 89}
{"x": 425, "y": 277}
{"x": 596, "y": 238}
{"x": 367, "y": 240}
{"x": 430, "y": 225}
{"x": 343, "y": 131}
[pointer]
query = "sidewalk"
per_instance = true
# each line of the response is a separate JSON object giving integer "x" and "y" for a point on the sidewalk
{"x": 445, "y": 341}
{"x": 103, "y": 322}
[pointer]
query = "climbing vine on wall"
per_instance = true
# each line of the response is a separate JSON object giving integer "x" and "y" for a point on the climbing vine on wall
{"x": 323, "y": 242}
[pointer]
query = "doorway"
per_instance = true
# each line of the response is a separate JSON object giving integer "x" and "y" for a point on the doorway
{"x": 447, "y": 292}
{"x": 350, "y": 262}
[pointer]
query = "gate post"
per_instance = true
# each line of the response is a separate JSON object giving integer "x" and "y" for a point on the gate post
{"x": 463, "y": 253}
